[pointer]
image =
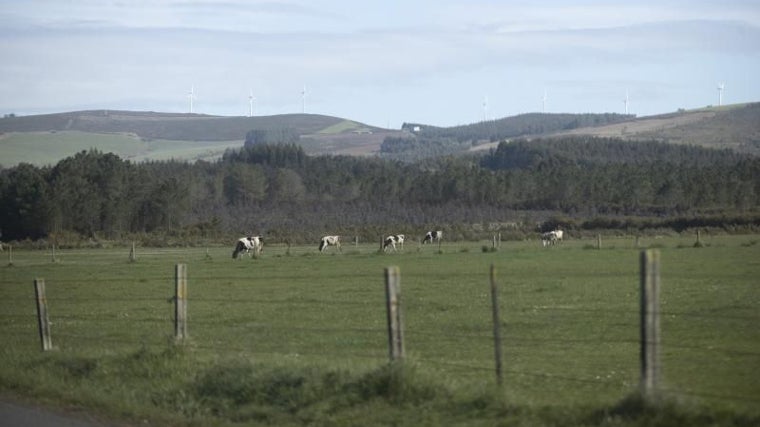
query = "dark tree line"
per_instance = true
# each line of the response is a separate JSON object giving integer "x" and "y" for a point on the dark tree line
{"x": 279, "y": 191}
{"x": 520, "y": 125}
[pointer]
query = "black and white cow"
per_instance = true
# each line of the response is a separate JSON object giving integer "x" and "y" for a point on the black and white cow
{"x": 549, "y": 238}
{"x": 250, "y": 245}
{"x": 392, "y": 241}
{"x": 329, "y": 241}
{"x": 430, "y": 236}
{"x": 552, "y": 237}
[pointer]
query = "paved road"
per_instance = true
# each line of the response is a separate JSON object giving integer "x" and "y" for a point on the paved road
{"x": 13, "y": 414}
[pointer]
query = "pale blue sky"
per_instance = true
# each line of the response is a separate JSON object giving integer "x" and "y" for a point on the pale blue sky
{"x": 378, "y": 62}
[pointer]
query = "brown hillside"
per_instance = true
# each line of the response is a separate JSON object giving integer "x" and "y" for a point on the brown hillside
{"x": 735, "y": 127}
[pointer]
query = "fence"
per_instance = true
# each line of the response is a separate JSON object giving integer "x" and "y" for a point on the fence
{"x": 503, "y": 365}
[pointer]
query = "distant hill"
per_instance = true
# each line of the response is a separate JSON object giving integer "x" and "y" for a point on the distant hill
{"x": 514, "y": 126}
{"x": 45, "y": 139}
{"x": 735, "y": 127}
{"x": 139, "y": 136}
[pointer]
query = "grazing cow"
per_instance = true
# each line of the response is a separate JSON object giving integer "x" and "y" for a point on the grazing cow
{"x": 432, "y": 235}
{"x": 548, "y": 238}
{"x": 248, "y": 245}
{"x": 329, "y": 241}
{"x": 392, "y": 241}
{"x": 552, "y": 237}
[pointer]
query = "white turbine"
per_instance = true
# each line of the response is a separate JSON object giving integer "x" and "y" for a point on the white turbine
{"x": 191, "y": 97}
{"x": 251, "y": 100}
{"x": 543, "y": 102}
{"x": 721, "y": 86}
{"x": 625, "y": 101}
{"x": 485, "y": 108}
{"x": 303, "y": 100}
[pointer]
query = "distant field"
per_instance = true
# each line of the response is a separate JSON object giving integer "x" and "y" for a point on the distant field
{"x": 570, "y": 313}
{"x": 47, "y": 148}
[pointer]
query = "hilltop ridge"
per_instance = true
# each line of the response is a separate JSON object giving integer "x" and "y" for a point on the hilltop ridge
{"x": 145, "y": 135}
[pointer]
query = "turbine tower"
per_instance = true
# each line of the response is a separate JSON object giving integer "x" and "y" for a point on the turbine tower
{"x": 543, "y": 102}
{"x": 251, "y": 99}
{"x": 721, "y": 86}
{"x": 625, "y": 101}
{"x": 485, "y": 108}
{"x": 303, "y": 100}
{"x": 191, "y": 97}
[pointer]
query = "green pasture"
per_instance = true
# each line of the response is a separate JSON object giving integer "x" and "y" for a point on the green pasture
{"x": 570, "y": 314}
{"x": 47, "y": 148}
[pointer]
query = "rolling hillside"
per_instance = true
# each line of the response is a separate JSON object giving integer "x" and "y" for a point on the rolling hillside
{"x": 735, "y": 127}
{"x": 45, "y": 139}
{"x": 140, "y": 136}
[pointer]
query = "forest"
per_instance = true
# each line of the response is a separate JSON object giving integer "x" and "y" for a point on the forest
{"x": 280, "y": 192}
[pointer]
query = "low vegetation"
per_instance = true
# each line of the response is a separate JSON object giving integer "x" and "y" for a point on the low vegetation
{"x": 279, "y": 191}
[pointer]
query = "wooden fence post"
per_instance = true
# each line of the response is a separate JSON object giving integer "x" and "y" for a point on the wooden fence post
{"x": 42, "y": 315}
{"x": 650, "y": 323}
{"x": 180, "y": 302}
{"x": 496, "y": 327}
{"x": 599, "y": 241}
{"x": 10, "y": 255}
{"x": 395, "y": 320}
{"x": 133, "y": 253}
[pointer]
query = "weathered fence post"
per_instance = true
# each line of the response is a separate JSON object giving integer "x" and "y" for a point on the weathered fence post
{"x": 493, "y": 242}
{"x": 52, "y": 254}
{"x": 180, "y": 302}
{"x": 395, "y": 319}
{"x": 10, "y": 255}
{"x": 496, "y": 327}
{"x": 132, "y": 253}
{"x": 42, "y": 315}
{"x": 356, "y": 241}
{"x": 650, "y": 323}
{"x": 599, "y": 241}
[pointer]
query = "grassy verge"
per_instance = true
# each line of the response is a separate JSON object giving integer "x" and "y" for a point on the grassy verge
{"x": 175, "y": 387}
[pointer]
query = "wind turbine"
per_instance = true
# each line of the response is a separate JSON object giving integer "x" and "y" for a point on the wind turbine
{"x": 485, "y": 108}
{"x": 625, "y": 101}
{"x": 721, "y": 86}
{"x": 191, "y": 96}
{"x": 303, "y": 100}
{"x": 543, "y": 102}
{"x": 251, "y": 99}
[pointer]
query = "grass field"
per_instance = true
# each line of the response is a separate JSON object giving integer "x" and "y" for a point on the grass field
{"x": 569, "y": 323}
{"x": 47, "y": 148}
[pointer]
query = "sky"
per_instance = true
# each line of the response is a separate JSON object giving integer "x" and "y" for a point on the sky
{"x": 383, "y": 63}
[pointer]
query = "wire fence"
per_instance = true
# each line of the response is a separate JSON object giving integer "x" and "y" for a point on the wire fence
{"x": 573, "y": 346}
